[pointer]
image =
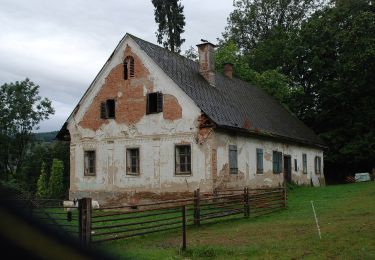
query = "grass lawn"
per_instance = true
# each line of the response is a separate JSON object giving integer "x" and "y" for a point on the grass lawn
{"x": 346, "y": 215}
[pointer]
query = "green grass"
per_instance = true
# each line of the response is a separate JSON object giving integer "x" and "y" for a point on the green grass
{"x": 346, "y": 216}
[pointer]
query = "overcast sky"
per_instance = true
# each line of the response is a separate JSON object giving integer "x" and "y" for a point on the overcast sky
{"x": 61, "y": 45}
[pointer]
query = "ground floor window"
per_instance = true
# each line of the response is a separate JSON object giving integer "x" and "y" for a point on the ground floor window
{"x": 304, "y": 163}
{"x": 183, "y": 159}
{"x": 277, "y": 159}
{"x": 89, "y": 163}
{"x": 132, "y": 161}
{"x": 233, "y": 159}
{"x": 259, "y": 161}
{"x": 318, "y": 165}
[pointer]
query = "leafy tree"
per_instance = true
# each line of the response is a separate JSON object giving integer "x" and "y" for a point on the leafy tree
{"x": 333, "y": 59}
{"x": 255, "y": 20}
{"x": 55, "y": 184}
{"x": 21, "y": 110}
{"x": 171, "y": 21}
{"x": 42, "y": 184}
{"x": 191, "y": 53}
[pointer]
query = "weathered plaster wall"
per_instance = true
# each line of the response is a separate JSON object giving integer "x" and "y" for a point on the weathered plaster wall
{"x": 155, "y": 135}
{"x": 246, "y": 147}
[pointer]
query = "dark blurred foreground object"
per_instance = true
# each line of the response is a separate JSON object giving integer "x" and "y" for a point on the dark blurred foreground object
{"x": 23, "y": 236}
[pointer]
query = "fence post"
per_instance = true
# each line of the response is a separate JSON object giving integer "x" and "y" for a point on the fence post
{"x": 183, "y": 211}
{"x": 196, "y": 207}
{"x": 85, "y": 210}
{"x": 247, "y": 203}
{"x": 285, "y": 197}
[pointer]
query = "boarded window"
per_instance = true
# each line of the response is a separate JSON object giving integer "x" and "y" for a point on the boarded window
{"x": 154, "y": 103}
{"x": 132, "y": 161}
{"x": 108, "y": 109}
{"x": 259, "y": 161}
{"x": 233, "y": 160}
{"x": 128, "y": 67}
{"x": 89, "y": 163}
{"x": 183, "y": 159}
{"x": 277, "y": 159}
{"x": 304, "y": 163}
{"x": 295, "y": 165}
{"x": 318, "y": 165}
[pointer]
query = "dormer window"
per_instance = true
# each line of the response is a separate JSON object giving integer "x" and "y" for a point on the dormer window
{"x": 154, "y": 103}
{"x": 108, "y": 109}
{"x": 128, "y": 67}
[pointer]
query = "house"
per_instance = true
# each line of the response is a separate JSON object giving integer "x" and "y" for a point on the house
{"x": 154, "y": 122}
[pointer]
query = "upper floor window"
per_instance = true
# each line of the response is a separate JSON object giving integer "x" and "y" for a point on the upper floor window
{"x": 233, "y": 160}
{"x": 318, "y": 165}
{"x": 304, "y": 163}
{"x": 128, "y": 67}
{"x": 89, "y": 163}
{"x": 183, "y": 159}
{"x": 107, "y": 109}
{"x": 259, "y": 161}
{"x": 277, "y": 159}
{"x": 295, "y": 165}
{"x": 154, "y": 103}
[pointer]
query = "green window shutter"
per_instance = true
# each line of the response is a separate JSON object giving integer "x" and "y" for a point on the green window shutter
{"x": 103, "y": 110}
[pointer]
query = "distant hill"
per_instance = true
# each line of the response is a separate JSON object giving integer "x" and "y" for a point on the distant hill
{"x": 47, "y": 137}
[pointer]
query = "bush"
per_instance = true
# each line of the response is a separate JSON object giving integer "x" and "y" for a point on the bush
{"x": 56, "y": 185}
{"x": 42, "y": 185}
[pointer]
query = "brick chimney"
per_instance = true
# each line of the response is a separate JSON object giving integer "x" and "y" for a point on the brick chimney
{"x": 207, "y": 62}
{"x": 228, "y": 70}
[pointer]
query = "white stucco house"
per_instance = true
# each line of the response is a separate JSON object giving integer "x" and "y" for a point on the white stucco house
{"x": 153, "y": 123}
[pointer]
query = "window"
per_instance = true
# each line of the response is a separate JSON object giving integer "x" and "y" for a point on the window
{"x": 132, "y": 161}
{"x": 233, "y": 160}
{"x": 318, "y": 165}
{"x": 183, "y": 159}
{"x": 295, "y": 165}
{"x": 304, "y": 163}
{"x": 154, "y": 103}
{"x": 259, "y": 161}
{"x": 107, "y": 109}
{"x": 89, "y": 163}
{"x": 277, "y": 159}
{"x": 128, "y": 67}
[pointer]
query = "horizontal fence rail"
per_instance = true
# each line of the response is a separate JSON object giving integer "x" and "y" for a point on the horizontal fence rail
{"x": 97, "y": 225}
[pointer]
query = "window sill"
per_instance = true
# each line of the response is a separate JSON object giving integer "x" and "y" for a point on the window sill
{"x": 133, "y": 174}
{"x": 89, "y": 175}
{"x": 183, "y": 174}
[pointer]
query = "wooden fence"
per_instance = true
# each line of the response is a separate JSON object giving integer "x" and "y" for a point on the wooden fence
{"x": 124, "y": 221}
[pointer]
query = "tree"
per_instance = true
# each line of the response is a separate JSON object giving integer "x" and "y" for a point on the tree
{"x": 55, "y": 184}
{"x": 333, "y": 59}
{"x": 171, "y": 21}
{"x": 252, "y": 21}
{"x": 42, "y": 184}
{"x": 21, "y": 110}
{"x": 191, "y": 53}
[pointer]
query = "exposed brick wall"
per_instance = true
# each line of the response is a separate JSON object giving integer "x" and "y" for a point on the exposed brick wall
{"x": 172, "y": 109}
{"x": 129, "y": 96}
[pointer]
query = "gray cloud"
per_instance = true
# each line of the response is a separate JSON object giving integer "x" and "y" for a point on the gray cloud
{"x": 61, "y": 45}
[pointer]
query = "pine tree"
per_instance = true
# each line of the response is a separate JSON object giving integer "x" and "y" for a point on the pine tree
{"x": 56, "y": 185}
{"x": 171, "y": 21}
{"x": 42, "y": 187}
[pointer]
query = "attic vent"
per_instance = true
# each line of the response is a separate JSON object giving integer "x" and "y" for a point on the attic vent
{"x": 128, "y": 67}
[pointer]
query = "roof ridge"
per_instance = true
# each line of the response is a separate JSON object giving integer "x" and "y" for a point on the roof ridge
{"x": 162, "y": 48}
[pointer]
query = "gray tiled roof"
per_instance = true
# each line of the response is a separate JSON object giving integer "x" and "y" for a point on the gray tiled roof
{"x": 232, "y": 103}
